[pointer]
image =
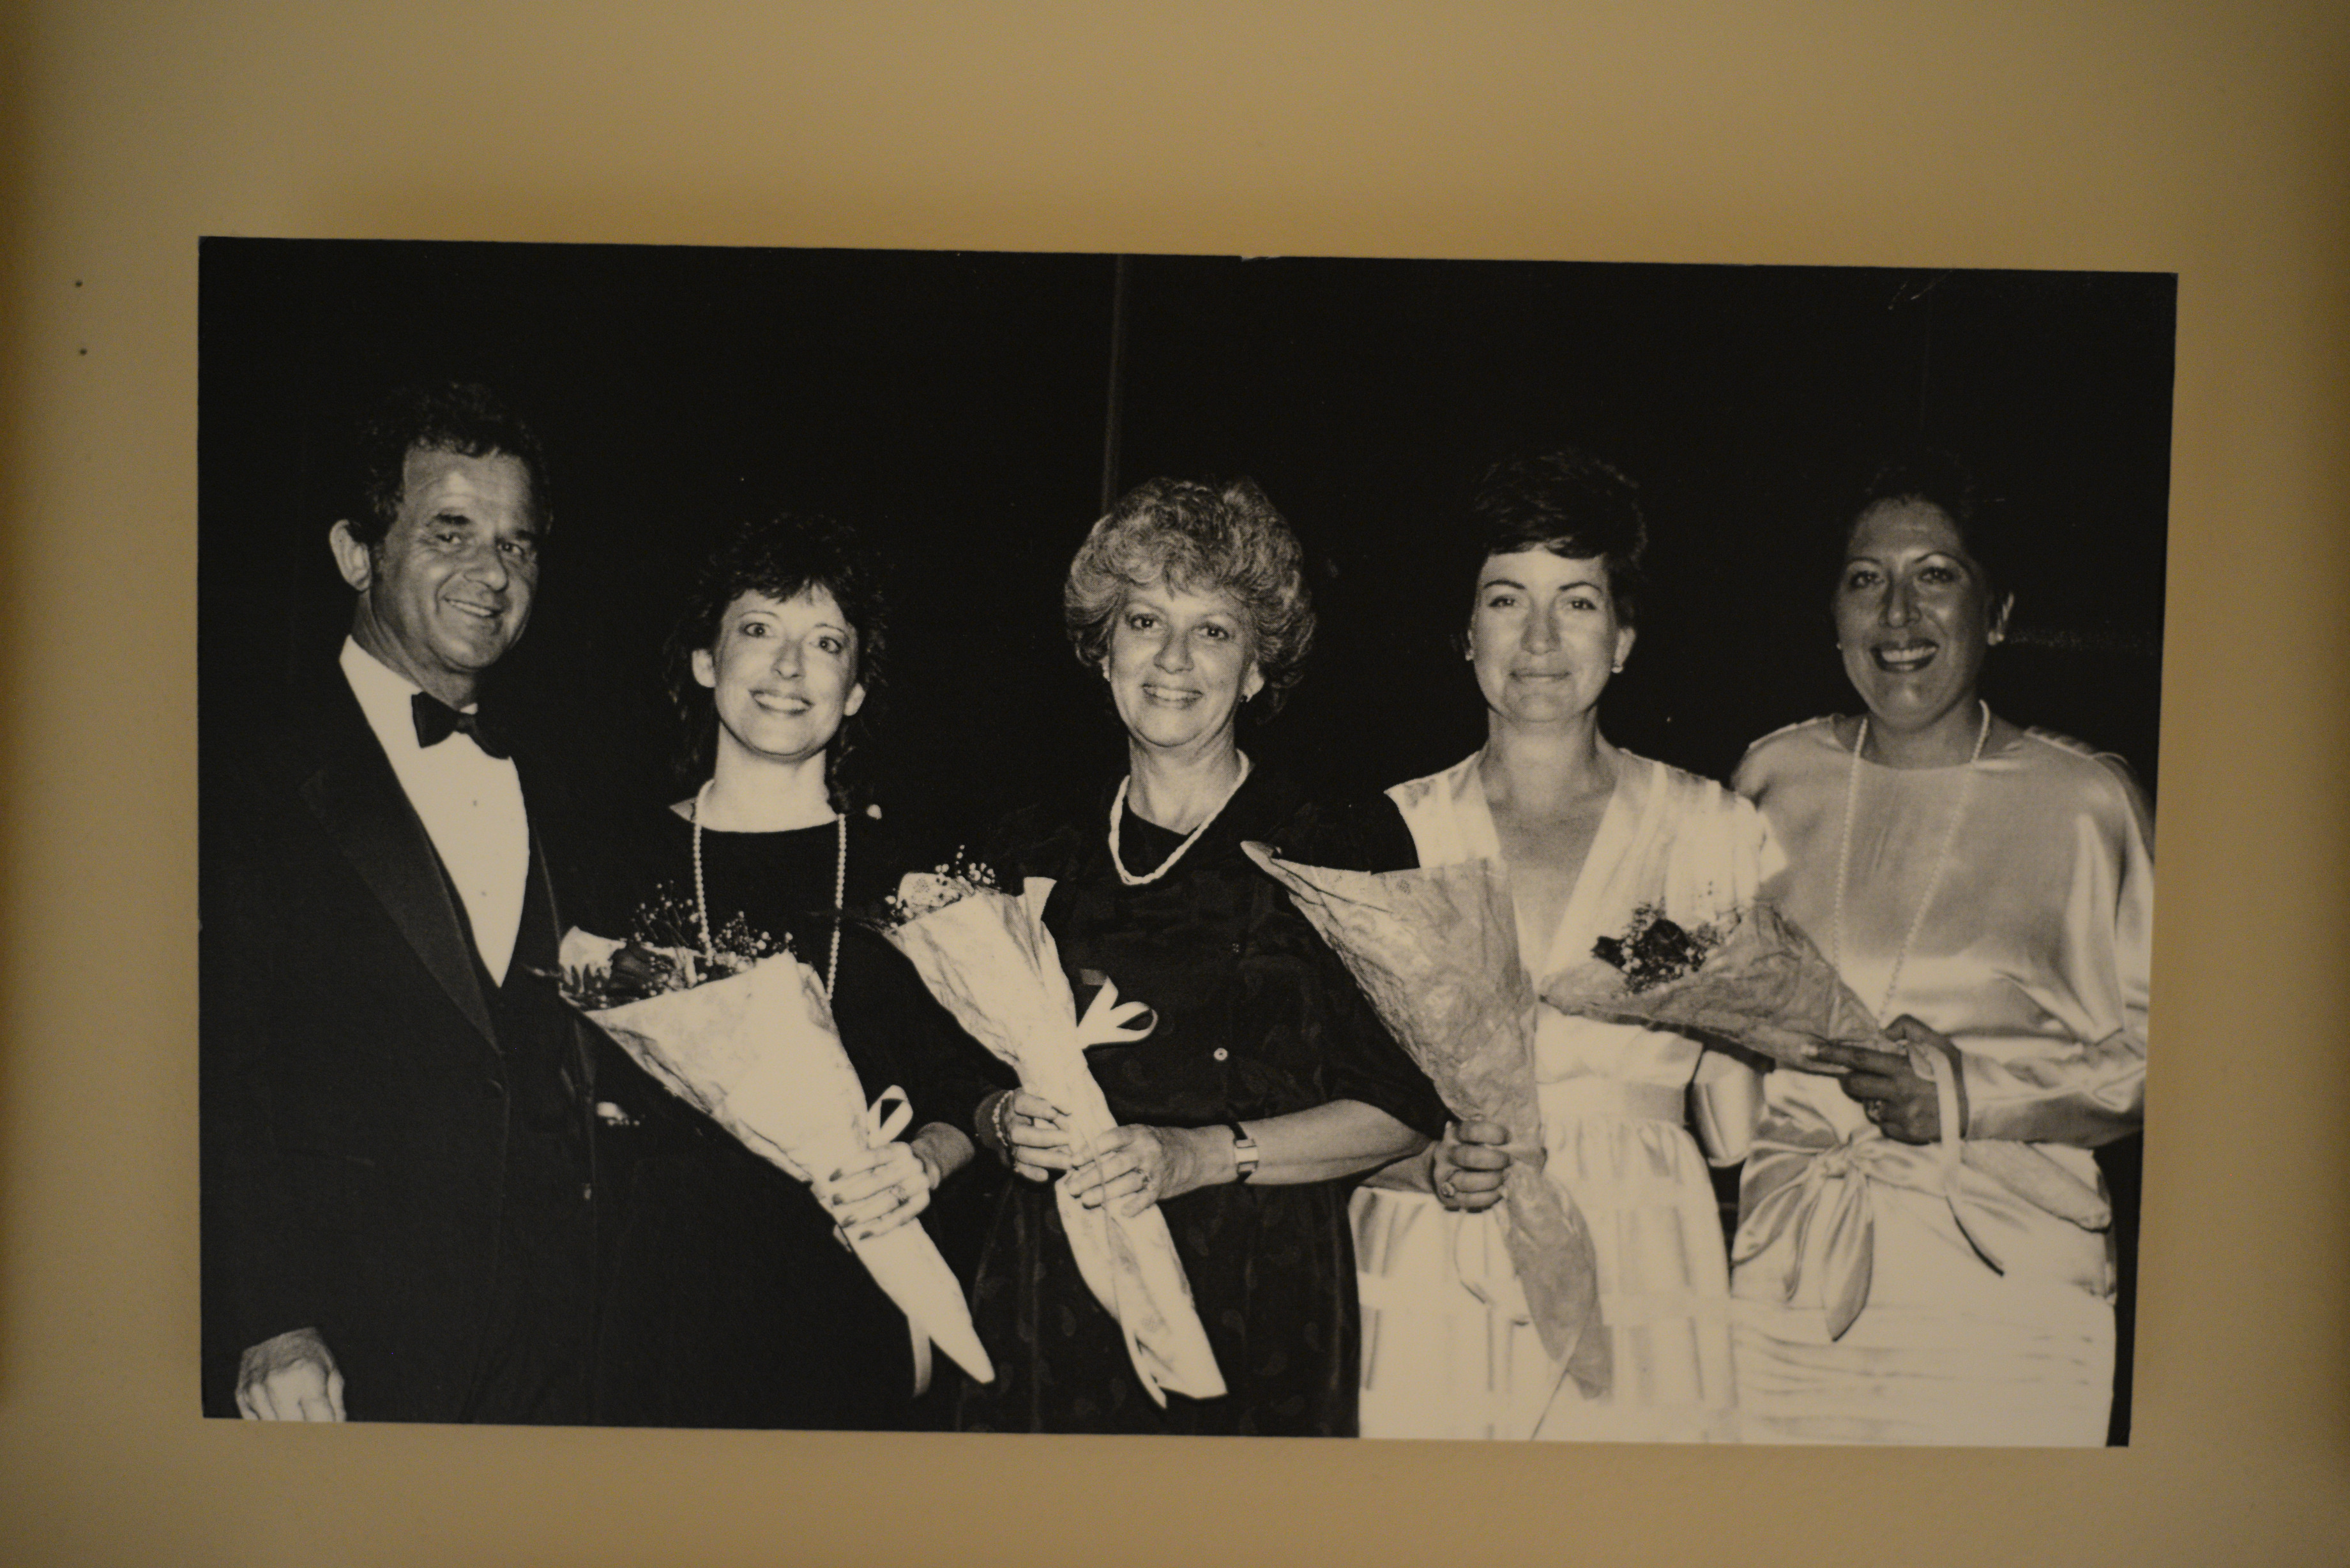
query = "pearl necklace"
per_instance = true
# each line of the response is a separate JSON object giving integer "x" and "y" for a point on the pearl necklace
{"x": 1941, "y": 860}
{"x": 1118, "y": 809}
{"x": 839, "y": 890}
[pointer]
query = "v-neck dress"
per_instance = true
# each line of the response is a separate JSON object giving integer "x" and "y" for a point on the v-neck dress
{"x": 1449, "y": 1351}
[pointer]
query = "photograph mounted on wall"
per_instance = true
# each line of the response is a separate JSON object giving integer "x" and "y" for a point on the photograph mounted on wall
{"x": 1294, "y": 847}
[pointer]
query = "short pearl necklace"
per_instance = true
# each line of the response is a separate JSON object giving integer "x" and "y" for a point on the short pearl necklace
{"x": 1941, "y": 860}
{"x": 1118, "y": 809}
{"x": 839, "y": 890}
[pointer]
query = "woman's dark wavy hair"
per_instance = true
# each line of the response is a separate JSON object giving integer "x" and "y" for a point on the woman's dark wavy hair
{"x": 463, "y": 416}
{"x": 1985, "y": 520}
{"x": 1567, "y": 502}
{"x": 1201, "y": 538}
{"x": 782, "y": 556}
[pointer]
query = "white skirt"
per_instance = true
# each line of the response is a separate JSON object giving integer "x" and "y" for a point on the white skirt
{"x": 1448, "y": 1349}
{"x": 1947, "y": 1351}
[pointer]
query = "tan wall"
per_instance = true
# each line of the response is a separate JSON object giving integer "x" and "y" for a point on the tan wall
{"x": 2210, "y": 141}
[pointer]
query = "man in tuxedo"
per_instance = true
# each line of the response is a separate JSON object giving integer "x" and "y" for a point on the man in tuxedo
{"x": 397, "y": 1192}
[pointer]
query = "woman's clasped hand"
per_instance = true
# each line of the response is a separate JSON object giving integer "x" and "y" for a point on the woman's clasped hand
{"x": 1031, "y": 1132}
{"x": 1467, "y": 1166}
{"x": 1899, "y": 1101}
{"x": 879, "y": 1191}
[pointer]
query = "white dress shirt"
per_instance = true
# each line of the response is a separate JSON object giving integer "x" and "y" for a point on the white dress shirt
{"x": 470, "y": 803}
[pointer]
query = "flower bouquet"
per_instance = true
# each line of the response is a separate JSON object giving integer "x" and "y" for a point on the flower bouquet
{"x": 1754, "y": 979}
{"x": 1436, "y": 952}
{"x": 987, "y": 957}
{"x": 748, "y": 1041}
{"x": 1750, "y": 977}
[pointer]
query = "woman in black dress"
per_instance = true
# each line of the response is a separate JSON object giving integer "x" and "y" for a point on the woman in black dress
{"x": 729, "y": 1301}
{"x": 1267, "y": 1084}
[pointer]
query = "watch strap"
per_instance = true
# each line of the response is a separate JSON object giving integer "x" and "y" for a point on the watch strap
{"x": 1244, "y": 1153}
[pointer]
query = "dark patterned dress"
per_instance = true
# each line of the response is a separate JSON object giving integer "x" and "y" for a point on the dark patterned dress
{"x": 727, "y": 1299}
{"x": 1255, "y": 1018}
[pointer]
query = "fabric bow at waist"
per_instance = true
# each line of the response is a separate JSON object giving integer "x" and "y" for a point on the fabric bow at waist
{"x": 1814, "y": 1190}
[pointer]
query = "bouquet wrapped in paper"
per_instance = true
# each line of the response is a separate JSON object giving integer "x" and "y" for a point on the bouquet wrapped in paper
{"x": 986, "y": 956}
{"x": 1754, "y": 978}
{"x": 755, "y": 1049}
{"x": 1436, "y": 952}
{"x": 1751, "y": 977}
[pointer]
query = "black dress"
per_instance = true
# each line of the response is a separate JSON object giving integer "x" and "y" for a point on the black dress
{"x": 1255, "y": 1018}
{"x": 727, "y": 1299}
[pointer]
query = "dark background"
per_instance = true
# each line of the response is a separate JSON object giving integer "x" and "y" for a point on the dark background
{"x": 958, "y": 405}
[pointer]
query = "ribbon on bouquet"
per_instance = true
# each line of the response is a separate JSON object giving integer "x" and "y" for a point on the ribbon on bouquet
{"x": 1130, "y": 1263}
{"x": 988, "y": 958}
{"x": 1990, "y": 1188}
{"x": 891, "y": 1113}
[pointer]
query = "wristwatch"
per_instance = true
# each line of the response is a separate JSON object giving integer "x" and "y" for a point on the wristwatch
{"x": 1244, "y": 1153}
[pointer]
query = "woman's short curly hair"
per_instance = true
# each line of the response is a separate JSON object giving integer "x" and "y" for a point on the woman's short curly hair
{"x": 1200, "y": 538}
{"x": 782, "y": 556}
{"x": 1570, "y": 504}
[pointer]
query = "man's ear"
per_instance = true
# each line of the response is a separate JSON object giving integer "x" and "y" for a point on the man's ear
{"x": 353, "y": 559}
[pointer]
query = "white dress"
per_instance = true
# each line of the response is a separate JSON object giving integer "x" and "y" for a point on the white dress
{"x": 1448, "y": 1351}
{"x": 1985, "y": 1319}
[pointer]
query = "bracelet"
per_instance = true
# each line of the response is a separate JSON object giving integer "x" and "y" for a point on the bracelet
{"x": 1002, "y": 1124}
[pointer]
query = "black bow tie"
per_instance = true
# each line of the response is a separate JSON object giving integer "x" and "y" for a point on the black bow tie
{"x": 436, "y": 721}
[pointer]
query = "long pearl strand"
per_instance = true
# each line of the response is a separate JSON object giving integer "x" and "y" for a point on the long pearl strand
{"x": 839, "y": 890}
{"x": 1941, "y": 860}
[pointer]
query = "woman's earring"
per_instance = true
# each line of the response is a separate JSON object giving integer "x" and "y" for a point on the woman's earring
{"x": 1618, "y": 667}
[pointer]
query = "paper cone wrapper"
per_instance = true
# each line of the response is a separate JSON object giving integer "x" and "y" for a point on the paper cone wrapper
{"x": 759, "y": 1054}
{"x": 990, "y": 962}
{"x": 906, "y": 1264}
{"x": 1436, "y": 952}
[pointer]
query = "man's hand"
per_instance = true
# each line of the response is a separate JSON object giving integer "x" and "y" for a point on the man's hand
{"x": 290, "y": 1378}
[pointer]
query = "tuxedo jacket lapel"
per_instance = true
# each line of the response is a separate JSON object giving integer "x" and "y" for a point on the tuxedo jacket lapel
{"x": 356, "y": 798}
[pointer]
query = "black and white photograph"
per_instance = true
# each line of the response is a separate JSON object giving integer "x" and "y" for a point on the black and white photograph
{"x": 1207, "y": 845}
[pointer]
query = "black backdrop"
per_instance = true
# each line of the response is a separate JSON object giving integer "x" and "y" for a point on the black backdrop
{"x": 960, "y": 405}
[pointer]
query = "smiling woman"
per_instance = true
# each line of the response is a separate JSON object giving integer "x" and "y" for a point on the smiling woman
{"x": 728, "y": 1302}
{"x": 1987, "y": 889}
{"x": 1917, "y": 609}
{"x": 1590, "y": 834}
{"x": 1266, "y": 1083}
